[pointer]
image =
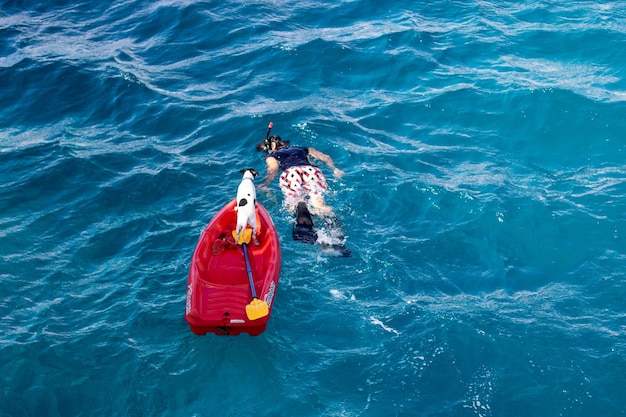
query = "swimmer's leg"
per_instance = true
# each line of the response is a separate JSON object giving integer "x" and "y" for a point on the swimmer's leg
{"x": 318, "y": 205}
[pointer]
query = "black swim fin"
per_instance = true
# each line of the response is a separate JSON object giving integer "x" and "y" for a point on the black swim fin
{"x": 303, "y": 216}
{"x": 304, "y": 234}
{"x": 336, "y": 250}
{"x": 303, "y": 229}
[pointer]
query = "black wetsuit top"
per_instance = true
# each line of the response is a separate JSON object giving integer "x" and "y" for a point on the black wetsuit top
{"x": 291, "y": 157}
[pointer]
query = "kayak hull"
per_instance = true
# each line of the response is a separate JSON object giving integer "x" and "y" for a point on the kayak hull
{"x": 218, "y": 286}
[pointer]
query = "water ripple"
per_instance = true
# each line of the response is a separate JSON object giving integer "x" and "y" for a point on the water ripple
{"x": 482, "y": 200}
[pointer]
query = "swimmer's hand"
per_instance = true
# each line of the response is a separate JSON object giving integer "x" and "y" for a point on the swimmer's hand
{"x": 338, "y": 173}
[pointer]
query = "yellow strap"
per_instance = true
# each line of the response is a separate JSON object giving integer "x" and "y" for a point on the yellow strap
{"x": 243, "y": 237}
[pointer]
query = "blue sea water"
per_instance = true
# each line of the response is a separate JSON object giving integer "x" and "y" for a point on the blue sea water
{"x": 483, "y": 144}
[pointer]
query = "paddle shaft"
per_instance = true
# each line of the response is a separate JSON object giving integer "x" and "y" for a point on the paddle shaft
{"x": 244, "y": 246}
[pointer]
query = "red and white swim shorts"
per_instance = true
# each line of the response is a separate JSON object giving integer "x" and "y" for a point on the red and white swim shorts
{"x": 300, "y": 181}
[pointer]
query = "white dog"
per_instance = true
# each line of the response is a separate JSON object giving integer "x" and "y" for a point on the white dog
{"x": 246, "y": 203}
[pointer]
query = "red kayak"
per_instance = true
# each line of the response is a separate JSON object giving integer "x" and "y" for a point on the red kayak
{"x": 220, "y": 297}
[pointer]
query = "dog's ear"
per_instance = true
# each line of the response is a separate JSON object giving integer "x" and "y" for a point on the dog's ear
{"x": 252, "y": 171}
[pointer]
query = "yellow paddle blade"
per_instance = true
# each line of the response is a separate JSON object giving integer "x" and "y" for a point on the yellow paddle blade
{"x": 243, "y": 237}
{"x": 257, "y": 309}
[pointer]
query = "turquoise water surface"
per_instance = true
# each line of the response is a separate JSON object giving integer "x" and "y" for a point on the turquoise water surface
{"x": 483, "y": 145}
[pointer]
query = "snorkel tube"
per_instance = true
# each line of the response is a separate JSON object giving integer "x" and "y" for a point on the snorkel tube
{"x": 267, "y": 136}
{"x": 268, "y": 143}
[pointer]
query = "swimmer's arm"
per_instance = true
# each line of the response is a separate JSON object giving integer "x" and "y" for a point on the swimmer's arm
{"x": 327, "y": 160}
{"x": 272, "y": 170}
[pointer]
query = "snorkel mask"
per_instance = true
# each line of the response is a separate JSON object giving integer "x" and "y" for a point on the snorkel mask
{"x": 266, "y": 145}
{"x": 273, "y": 140}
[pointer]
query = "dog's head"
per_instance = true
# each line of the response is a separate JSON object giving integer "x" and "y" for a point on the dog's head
{"x": 250, "y": 172}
